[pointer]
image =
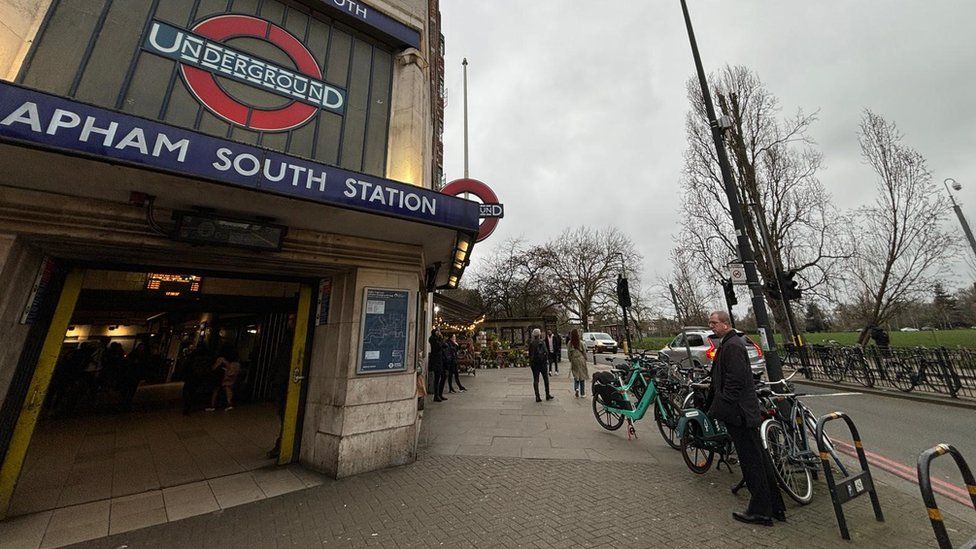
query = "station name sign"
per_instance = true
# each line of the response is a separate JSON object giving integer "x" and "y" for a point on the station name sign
{"x": 53, "y": 122}
{"x": 376, "y": 20}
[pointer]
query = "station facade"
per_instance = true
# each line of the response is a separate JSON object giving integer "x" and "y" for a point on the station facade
{"x": 254, "y": 178}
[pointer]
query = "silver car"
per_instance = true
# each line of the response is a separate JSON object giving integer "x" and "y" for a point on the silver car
{"x": 703, "y": 344}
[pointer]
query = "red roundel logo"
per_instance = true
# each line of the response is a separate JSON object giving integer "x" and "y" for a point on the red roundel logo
{"x": 203, "y": 83}
{"x": 491, "y": 209}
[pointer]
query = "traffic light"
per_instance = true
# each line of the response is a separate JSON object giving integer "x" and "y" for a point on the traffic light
{"x": 623, "y": 291}
{"x": 729, "y": 292}
{"x": 772, "y": 290}
{"x": 791, "y": 288}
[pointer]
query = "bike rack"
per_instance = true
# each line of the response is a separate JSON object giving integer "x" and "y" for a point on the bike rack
{"x": 925, "y": 485}
{"x": 850, "y": 486}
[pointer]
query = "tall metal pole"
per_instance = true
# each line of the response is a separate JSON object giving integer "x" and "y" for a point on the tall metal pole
{"x": 773, "y": 367}
{"x": 464, "y": 64}
{"x": 962, "y": 219}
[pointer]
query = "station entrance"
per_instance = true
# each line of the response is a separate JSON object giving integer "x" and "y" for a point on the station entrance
{"x": 159, "y": 380}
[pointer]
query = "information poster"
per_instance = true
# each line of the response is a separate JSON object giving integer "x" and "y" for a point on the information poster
{"x": 383, "y": 331}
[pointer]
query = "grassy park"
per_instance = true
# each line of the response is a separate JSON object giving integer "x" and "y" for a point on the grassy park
{"x": 935, "y": 338}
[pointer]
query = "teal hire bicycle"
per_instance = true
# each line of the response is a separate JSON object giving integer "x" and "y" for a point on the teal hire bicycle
{"x": 628, "y": 392}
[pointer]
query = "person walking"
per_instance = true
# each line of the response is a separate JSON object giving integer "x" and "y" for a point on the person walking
{"x": 453, "y": 354}
{"x": 734, "y": 402}
{"x": 554, "y": 346}
{"x": 577, "y": 363}
{"x": 539, "y": 362}
{"x": 229, "y": 363}
{"x": 435, "y": 361}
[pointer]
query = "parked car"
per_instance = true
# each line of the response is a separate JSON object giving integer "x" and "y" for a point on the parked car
{"x": 703, "y": 344}
{"x": 908, "y": 329}
{"x": 599, "y": 342}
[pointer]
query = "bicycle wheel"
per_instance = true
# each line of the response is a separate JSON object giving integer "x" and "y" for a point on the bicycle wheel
{"x": 861, "y": 372}
{"x": 795, "y": 479}
{"x": 609, "y": 420}
{"x": 834, "y": 371}
{"x": 668, "y": 425}
{"x": 901, "y": 375}
{"x": 697, "y": 458}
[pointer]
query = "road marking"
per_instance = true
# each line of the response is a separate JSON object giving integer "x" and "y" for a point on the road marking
{"x": 831, "y": 395}
{"x": 947, "y": 489}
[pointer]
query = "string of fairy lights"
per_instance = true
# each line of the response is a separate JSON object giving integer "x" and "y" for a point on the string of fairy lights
{"x": 443, "y": 325}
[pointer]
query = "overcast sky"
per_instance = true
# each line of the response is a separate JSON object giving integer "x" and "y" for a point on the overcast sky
{"x": 577, "y": 108}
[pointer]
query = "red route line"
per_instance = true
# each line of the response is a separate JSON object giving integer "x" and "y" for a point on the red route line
{"x": 954, "y": 492}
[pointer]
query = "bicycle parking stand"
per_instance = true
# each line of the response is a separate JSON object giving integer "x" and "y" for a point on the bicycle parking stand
{"x": 850, "y": 486}
{"x": 925, "y": 486}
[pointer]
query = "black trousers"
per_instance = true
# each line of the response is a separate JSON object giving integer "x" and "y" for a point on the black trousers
{"x": 536, "y": 372}
{"x": 453, "y": 377}
{"x": 757, "y": 471}
{"x": 440, "y": 376}
{"x": 554, "y": 361}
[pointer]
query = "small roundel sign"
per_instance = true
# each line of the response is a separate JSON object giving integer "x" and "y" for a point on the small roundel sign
{"x": 491, "y": 209}
{"x": 203, "y": 55}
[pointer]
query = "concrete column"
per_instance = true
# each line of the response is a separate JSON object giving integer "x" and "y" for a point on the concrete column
{"x": 18, "y": 268}
{"x": 19, "y": 22}
{"x": 410, "y": 123}
{"x": 353, "y": 422}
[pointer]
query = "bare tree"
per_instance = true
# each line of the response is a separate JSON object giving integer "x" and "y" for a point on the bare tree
{"x": 583, "y": 264}
{"x": 695, "y": 294}
{"x": 512, "y": 281}
{"x": 775, "y": 165}
{"x": 902, "y": 248}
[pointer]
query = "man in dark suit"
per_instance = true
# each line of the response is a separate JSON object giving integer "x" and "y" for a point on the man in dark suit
{"x": 554, "y": 347}
{"x": 735, "y": 403}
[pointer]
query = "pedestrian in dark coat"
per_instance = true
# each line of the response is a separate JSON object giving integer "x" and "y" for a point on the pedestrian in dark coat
{"x": 452, "y": 352}
{"x": 539, "y": 362}
{"x": 735, "y": 403}
{"x": 435, "y": 362}
{"x": 554, "y": 346}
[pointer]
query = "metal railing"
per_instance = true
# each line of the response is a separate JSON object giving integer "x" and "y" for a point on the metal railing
{"x": 938, "y": 371}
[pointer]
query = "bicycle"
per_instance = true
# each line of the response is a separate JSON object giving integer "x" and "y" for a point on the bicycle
{"x": 784, "y": 437}
{"x": 612, "y": 402}
{"x": 703, "y": 437}
{"x": 851, "y": 364}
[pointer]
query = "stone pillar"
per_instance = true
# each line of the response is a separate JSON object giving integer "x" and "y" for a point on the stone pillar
{"x": 356, "y": 423}
{"x": 410, "y": 126}
{"x": 19, "y": 22}
{"x": 18, "y": 269}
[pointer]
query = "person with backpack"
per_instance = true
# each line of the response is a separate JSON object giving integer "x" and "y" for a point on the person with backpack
{"x": 539, "y": 362}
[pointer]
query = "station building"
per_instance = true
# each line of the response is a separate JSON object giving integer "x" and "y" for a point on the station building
{"x": 182, "y": 180}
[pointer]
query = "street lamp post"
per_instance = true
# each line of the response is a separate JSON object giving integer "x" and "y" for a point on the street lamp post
{"x": 962, "y": 219}
{"x": 773, "y": 366}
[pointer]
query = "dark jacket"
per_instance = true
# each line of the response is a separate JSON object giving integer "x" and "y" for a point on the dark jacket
{"x": 436, "y": 358}
{"x": 538, "y": 355}
{"x": 450, "y": 355}
{"x": 557, "y": 344}
{"x": 733, "y": 397}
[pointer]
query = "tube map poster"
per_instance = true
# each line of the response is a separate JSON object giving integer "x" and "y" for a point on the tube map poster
{"x": 383, "y": 331}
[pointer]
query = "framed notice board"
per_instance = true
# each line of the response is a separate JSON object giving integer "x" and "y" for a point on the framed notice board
{"x": 383, "y": 331}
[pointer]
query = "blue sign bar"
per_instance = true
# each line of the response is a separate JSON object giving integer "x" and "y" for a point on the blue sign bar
{"x": 377, "y": 20}
{"x": 53, "y": 122}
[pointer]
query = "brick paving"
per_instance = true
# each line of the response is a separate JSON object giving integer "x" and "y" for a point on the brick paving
{"x": 453, "y": 498}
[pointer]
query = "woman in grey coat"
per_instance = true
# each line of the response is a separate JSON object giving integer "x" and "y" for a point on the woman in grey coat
{"x": 577, "y": 360}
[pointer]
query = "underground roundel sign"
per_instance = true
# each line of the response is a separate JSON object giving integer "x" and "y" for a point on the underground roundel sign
{"x": 491, "y": 209}
{"x": 204, "y": 54}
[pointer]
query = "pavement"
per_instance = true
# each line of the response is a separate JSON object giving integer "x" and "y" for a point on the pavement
{"x": 497, "y": 469}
